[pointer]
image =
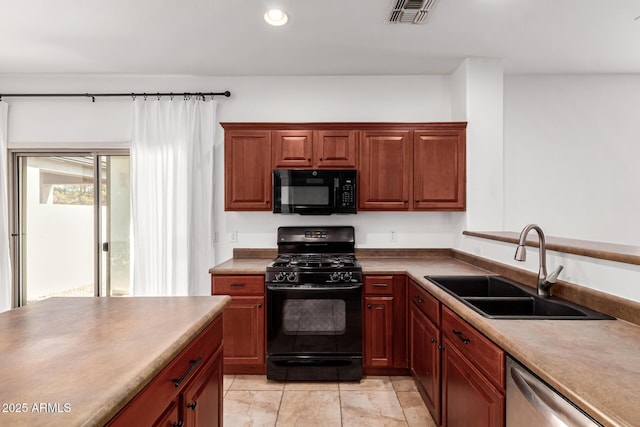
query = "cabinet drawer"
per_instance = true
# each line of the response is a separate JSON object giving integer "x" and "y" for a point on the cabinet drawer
{"x": 237, "y": 285}
{"x": 378, "y": 285}
{"x": 157, "y": 396}
{"x": 425, "y": 302}
{"x": 483, "y": 353}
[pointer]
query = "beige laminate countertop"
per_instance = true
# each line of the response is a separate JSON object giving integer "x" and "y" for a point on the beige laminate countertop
{"x": 78, "y": 361}
{"x": 594, "y": 363}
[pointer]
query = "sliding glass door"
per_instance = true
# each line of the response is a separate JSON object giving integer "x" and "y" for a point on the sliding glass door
{"x": 71, "y": 224}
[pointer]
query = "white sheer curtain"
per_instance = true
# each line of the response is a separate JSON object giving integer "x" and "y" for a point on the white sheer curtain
{"x": 172, "y": 196}
{"x": 5, "y": 261}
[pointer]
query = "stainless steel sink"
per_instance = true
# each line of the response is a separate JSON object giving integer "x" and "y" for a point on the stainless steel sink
{"x": 500, "y": 298}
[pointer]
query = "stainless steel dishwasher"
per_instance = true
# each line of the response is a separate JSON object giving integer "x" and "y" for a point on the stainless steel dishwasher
{"x": 531, "y": 402}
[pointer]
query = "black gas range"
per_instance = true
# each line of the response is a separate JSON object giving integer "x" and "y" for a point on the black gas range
{"x": 314, "y": 306}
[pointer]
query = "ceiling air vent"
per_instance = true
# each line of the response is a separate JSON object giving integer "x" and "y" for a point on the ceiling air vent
{"x": 410, "y": 11}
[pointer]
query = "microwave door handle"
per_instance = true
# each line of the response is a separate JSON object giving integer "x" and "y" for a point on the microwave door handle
{"x": 336, "y": 191}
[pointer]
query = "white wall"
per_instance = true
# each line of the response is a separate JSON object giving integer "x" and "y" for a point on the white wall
{"x": 61, "y": 123}
{"x": 571, "y": 165}
{"x": 572, "y": 151}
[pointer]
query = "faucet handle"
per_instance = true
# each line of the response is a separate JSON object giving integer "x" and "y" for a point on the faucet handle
{"x": 551, "y": 278}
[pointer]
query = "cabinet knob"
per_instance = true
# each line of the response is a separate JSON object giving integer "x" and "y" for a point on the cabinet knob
{"x": 406, "y": 201}
{"x": 321, "y": 159}
{"x": 192, "y": 405}
{"x": 417, "y": 201}
{"x": 433, "y": 340}
{"x": 309, "y": 159}
{"x": 368, "y": 305}
{"x": 259, "y": 305}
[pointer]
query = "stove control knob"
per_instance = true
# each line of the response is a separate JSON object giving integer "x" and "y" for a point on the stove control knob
{"x": 280, "y": 276}
{"x": 334, "y": 277}
{"x": 346, "y": 276}
{"x": 291, "y": 276}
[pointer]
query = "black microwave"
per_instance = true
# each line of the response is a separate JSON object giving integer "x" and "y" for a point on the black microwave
{"x": 314, "y": 192}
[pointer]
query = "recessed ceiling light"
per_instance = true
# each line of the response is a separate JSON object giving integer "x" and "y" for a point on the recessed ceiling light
{"x": 276, "y": 17}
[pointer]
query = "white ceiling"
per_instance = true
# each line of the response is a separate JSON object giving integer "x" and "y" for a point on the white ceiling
{"x": 323, "y": 37}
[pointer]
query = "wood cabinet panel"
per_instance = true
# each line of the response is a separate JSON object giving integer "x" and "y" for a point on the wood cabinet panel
{"x": 244, "y": 322}
{"x": 488, "y": 357}
{"x": 158, "y": 404}
{"x": 385, "y": 168}
{"x": 292, "y": 149}
{"x": 378, "y": 285}
{"x": 424, "y": 358}
{"x": 468, "y": 398}
{"x": 237, "y": 285}
{"x": 335, "y": 148}
{"x": 244, "y": 331}
{"x": 423, "y": 300}
{"x": 247, "y": 170}
{"x": 202, "y": 400}
{"x": 378, "y": 340}
{"x": 439, "y": 170}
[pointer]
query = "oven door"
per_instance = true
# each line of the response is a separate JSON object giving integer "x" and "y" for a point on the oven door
{"x": 314, "y": 332}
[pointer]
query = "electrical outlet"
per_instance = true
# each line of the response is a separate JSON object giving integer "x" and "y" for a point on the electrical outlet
{"x": 233, "y": 236}
{"x": 394, "y": 238}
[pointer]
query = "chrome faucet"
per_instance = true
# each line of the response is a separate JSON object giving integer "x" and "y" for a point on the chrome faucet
{"x": 545, "y": 282}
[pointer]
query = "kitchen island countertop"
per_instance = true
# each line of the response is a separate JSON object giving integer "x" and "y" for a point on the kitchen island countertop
{"x": 594, "y": 363}
{"x": 78, "y": 361}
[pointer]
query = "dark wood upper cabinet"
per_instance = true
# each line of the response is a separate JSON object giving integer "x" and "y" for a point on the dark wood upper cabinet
{"x": 385, "y": 167}
{"x": 336, "y": 148}
{"x": 402, "y": 166}
{"x": 247, "y": 174}
{"x": 305, "y": 149}
{"x": 292, "y": 149}
{"x": 439, "y": 170}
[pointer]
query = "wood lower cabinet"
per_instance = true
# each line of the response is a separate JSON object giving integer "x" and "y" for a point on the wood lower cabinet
{"x": 468, "y": 397}
{"x": 384, "y": 339}
{"x": 187, "y": 392}
{"x": 244, "y": 323}
{"x": 473, "y": 376}
{"x": 424, "y": 358}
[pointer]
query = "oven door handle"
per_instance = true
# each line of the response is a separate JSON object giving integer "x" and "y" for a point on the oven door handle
{"x": 319, "y": 288}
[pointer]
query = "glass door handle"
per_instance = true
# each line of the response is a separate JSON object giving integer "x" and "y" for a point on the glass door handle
{"x": 105, "y": 247}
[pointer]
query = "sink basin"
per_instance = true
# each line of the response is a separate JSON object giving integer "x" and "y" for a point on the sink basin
{"x": 530, "y": 306}
{"x": 479, "y": 286}
{"x": 499, "y": 298}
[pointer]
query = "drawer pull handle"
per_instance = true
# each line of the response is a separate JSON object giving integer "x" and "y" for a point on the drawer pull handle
{"x": 237, "y": 285}
{"x": 178, "y": 424}
{"x": 379, "y": 285}
{"x": 194, "y": 363}
{"x": 419, "y": 299}
{"x": 192, "y": 405}
{"x": 459, "y": 335}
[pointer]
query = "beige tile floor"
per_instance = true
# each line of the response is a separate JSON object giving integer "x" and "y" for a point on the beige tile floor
{"x": 252, "y": 400}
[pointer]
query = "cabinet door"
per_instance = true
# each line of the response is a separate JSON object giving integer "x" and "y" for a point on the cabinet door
{"x": 439, "y": 170}
{"x": 244, "y": 332}
{"x": 335, "y": 148}
{"x": 202, "y": 399}
{"x": 170, "y": 417}
{"x": 378, "y": 331}
{"x": 468, "y": 398}
{"x": 247, "y": 170}
{"x": 424, "y": 339}
{"x": 385, "y": 168}
{"x": 292, "y": 149}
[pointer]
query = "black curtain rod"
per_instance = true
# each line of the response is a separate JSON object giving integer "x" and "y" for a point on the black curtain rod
{"x": 93, "y": 96}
